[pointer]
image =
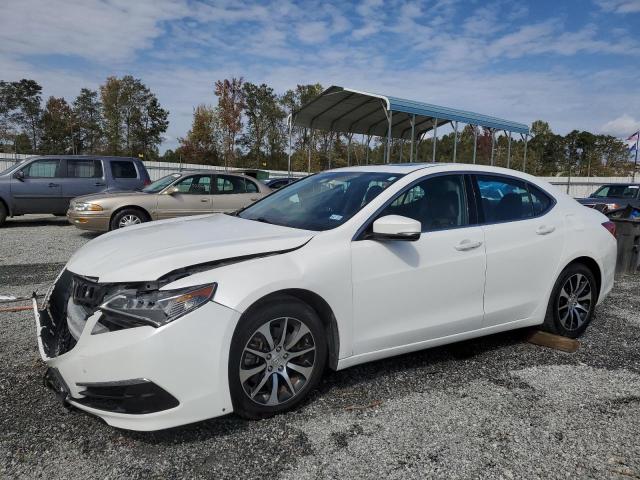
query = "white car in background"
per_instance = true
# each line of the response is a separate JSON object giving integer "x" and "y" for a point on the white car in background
{"x": 186, "y": 319}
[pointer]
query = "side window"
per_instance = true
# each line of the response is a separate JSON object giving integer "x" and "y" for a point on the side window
{"x": 84, "y": 168}
{"x": 437, "y": 203}
{"x": 227, "y": 184}
{"x": 540, "y": 200}
{"x": 504, "y": 198}
{"x": 123, "y": 169}
{"x": 42, "y": 169}
{"x": 195, "y": 185}
{"x": 251, "y": 187}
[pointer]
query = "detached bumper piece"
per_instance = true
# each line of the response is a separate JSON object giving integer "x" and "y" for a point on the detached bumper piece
{"x": 134, "y": 397}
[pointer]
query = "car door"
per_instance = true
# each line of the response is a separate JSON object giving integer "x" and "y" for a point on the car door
{"x": 234, "y": 192}
{"x": 524, "y": 237}
{"x": 83, "y": 176}
{"x": 191, "y": 195}
{"x": 39, "y": 191}
{"x": 406, "y": 292}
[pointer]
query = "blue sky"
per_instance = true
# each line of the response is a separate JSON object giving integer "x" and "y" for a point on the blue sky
{"x": 573, "y": 63}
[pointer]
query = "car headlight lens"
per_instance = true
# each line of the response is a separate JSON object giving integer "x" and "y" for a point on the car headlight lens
{"x": 131, "y": 308}
{"x": 87, "y": 207}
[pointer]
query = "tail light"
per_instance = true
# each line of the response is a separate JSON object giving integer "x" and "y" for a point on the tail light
{"x": 147, "y": 182}
{"x": 611, "y": 227}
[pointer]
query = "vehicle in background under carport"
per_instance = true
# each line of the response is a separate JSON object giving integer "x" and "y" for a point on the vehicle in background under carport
{"x": 182, "y": 320}
{"x": 613, "y": 197}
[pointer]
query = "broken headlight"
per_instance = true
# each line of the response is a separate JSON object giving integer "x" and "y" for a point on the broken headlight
{"x": 133, "y": 308}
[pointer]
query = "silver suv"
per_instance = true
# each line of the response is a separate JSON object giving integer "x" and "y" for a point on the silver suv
{"x": 47, "y": 184}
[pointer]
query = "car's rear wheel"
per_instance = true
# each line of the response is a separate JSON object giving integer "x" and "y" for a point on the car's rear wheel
{"x": 572, "y": 303}
{"x": 277, "y": 357}
{"x": 128, "y": 217}
{"x": 3, "y": 214}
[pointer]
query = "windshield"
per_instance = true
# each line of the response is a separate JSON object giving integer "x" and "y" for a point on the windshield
{"x": 161, "y": 184}
{"x": 320, "y": 202}
{"x": 15, "y": 165}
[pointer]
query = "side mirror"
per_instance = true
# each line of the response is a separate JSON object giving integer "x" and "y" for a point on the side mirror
{"x": 396, "y": 227}
{"x": 19, "y": 175}
{"x": 171, "y": 191}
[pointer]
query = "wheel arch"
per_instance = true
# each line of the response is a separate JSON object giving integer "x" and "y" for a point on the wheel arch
{"x": 6, "y": 206}
{"x": 320, "y": 306}
{"x": 592, "y": 265}
{"x": 133, "y": 207}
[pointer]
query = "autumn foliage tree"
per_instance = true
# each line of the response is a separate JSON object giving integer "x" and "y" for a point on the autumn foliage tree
{"x": 230, "y": 107}
{"x": 201, "y": 144}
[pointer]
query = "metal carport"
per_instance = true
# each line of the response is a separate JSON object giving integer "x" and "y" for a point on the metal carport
{"x": 349, "y": 111}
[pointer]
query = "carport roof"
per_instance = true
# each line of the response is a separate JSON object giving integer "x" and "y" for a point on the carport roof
{"x": 352, "y": 111}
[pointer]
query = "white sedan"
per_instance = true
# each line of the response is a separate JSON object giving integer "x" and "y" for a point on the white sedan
{"x": 181, "y": 320}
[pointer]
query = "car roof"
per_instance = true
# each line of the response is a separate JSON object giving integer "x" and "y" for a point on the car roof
{"x": 80, "y": 157}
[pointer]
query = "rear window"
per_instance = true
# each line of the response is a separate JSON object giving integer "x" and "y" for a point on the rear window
{"x": 123, "y": 169}
{"x": 84, "y": 168}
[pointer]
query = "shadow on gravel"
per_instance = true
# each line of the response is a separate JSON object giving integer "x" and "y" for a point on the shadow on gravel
{"x": 40, "y": 222}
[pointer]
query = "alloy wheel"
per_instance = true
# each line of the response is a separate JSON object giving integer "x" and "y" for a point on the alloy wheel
{"x": 574, "y": 301}
{"x": 128, "y": 220}
{"x": 277, "y": 361}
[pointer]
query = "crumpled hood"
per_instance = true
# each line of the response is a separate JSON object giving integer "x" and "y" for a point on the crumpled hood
{"x": 148, "y": 251}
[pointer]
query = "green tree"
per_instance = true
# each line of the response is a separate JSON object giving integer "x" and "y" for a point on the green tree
{"x": 202, "y": 142}
{"x": 57, "y": 122}
{"x": 87, "y": 111}
{"x": 230, "y": 106}
{"x": 134, "y": 121}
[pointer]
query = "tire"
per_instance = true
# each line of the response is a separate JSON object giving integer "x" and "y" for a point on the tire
{"x": 135, "y": 215}
{"x": 577, "y": 286}
{"x": 252, "y": 394}
{"x": 3, "y": 214}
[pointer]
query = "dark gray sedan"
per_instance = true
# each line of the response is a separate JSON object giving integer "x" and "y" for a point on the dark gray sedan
{"x": 47, "y": 184}
{"x": 613, "y": 196}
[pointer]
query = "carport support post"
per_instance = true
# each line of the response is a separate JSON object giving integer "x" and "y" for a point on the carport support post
{"x": 475, "y": 142}
{"x": 413, "y": 135}
{"x": 366, "y": 160}
{"x": 455, "y": 141}
{"x": 389, "y": 114}
{"x": 309, "y": 155}
{"x": 493, "y": 141}
{"x": 509, "y": 152}
{"x": 435, "y": 139}
{"x": 524, "y": 160}
{"x": 290, "y": 121}
{"x": 349, "y": 136}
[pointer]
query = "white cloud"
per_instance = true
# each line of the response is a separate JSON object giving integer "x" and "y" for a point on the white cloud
{"x": 620, "y": 6}
{"x": 111, "y": 30}
{"x": 623, "y": 126}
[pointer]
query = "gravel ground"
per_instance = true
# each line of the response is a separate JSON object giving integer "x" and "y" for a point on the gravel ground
{"x": 496, "y": 407}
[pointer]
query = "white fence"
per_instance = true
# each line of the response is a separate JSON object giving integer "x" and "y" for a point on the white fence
{"x": 575, "y": 186}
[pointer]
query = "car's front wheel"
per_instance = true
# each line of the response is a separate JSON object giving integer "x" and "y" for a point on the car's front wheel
{"x": 277, "y": 357}
{"x": 128, "y": 217}
{"x": 572, "y": 303}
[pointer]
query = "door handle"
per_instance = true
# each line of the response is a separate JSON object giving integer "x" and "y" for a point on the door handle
{"x": 467, "y": 244}
{"x": 98, "y": 184}
{"x": 254, "y": 199}
{"x": 204, "y": 200}
{"x": 53, "y": 185}
{"x": 545, "y": 229}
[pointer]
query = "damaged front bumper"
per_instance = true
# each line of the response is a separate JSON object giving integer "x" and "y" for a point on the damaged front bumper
{"x": 140, "y": 378}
